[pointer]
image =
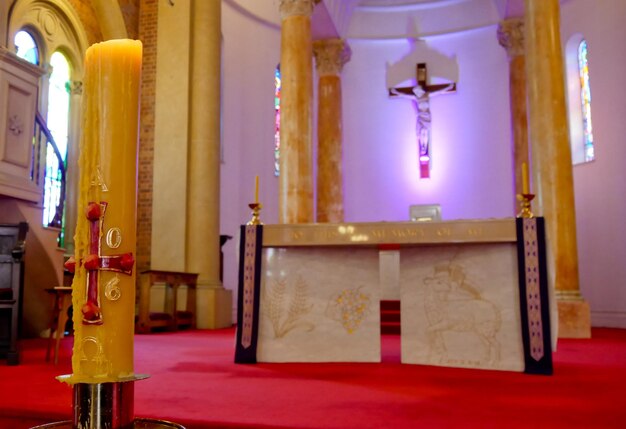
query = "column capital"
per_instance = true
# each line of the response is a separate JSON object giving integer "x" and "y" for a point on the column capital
{"x": 76, "y": 87}
{"x": 511, "y": 36}
{"x": 331, "y": 55}
{"x": 288, "y": 8}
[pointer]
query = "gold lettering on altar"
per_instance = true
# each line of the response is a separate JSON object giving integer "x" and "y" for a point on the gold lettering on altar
{"x": 326, "y": 234}
{"x": 444, "y": 232}
{"x": 475, "y": 232}
{"x": 378, "y": 233}
{"x": 502, "y": 230}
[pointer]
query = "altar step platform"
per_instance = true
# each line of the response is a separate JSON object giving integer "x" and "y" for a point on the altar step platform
{"x": 194, "y": 382}
{"x": 472, "y": 294}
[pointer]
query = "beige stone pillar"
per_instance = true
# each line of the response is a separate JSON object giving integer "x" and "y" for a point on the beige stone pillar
{"x": 552, "y": 161}
{"x": 203, "y": 174}
{"x": 171, "y": 134}
{"x": 511, "y": 37}
{"x": 71, "y": 178}
{"x": 110, "y": 19}
{"x": 330, "y": 57}
{"x": 295, "y": 189}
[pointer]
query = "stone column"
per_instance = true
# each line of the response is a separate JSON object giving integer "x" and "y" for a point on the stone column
{"x": 71, "y": 178}
{"x": 170, "y": 136}
{"x": 552, "y": 161}
{"x": 203, "y": 175}
{"x": 330, "y": 57}
{"x": 511, "y": 37}
{"x": 110, "y": 19}
{"x": 295, "y": 189}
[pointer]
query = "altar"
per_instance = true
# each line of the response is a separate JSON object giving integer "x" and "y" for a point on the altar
{"x": 473, "y": 293}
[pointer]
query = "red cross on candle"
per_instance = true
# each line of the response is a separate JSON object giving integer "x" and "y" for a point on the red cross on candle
{"x": 95, "y": 262}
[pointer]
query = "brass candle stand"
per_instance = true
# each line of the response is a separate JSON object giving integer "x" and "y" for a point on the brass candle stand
{"x": 107, "y": 406}
{"x": 256, "y": 211}
{"x": 525, "y": 204}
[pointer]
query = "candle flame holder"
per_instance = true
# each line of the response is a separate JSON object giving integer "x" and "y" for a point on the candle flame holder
{"x": 256, "y": 211}
{"x": 107, "y": 405}
{"x": 525, "y": 204}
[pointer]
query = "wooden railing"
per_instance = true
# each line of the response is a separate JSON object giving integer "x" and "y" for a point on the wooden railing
{"x": 41, "y": 173}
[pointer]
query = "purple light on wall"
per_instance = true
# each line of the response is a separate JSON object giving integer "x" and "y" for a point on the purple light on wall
{"x": 424, "y": 162}
{"x": 424, "y": 170}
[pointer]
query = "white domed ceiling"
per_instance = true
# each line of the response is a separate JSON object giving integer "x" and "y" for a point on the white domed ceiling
{"x": 390, "y": 19}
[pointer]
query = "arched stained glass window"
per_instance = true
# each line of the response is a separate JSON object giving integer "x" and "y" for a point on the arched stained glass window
{"x": 26, "y": 47}
{"x": 585, "y": 98}
{"x": 277, "y": 85}
{"x": 58, "y": 124}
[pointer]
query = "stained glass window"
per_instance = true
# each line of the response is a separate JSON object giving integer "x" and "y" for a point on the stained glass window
{"x": 277, "y": 85}
{"x": 585, "y": 98}
{"x": 26, "y": 47}
{"x": 58, "y": 124}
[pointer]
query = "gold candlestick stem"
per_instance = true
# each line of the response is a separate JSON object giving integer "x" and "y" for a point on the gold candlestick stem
{"x": 256, "y": 211}
{"x": 525, "y": 204}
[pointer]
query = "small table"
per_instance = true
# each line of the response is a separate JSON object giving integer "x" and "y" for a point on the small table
{"x": 170, "y": 318}
{"x": 61, "y": 301}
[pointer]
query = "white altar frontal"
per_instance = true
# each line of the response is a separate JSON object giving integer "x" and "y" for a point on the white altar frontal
{"x": 472, "y": 293}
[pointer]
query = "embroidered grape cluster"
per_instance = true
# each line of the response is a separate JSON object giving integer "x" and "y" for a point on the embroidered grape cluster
{"x": 349, "y": 308}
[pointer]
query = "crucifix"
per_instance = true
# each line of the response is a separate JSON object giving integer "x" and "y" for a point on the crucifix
{"x": 421, "y": 93}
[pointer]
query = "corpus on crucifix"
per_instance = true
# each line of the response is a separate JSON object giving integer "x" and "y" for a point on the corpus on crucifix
{"x": 421, "y": 93}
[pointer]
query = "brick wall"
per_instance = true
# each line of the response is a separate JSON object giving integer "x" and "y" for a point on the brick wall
{"x": 148, "y": 16}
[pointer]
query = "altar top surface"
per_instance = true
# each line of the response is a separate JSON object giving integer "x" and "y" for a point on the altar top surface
{"x": 376, "y": 233}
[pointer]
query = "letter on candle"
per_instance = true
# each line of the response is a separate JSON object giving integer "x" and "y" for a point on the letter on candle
{"x": 256, "y": 190}
{"x": 525, "y": 184}
{"x": 103, "y": 293}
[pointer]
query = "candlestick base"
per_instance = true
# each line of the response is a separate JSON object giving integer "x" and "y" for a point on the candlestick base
{"x": 256, "y": 210}
{"x": 107, "y": 405}
{"x": 525, "y": 204}
{"x": 137, "y": 424}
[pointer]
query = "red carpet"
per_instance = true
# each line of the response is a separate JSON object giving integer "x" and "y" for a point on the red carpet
{"x": 194, "y": 382}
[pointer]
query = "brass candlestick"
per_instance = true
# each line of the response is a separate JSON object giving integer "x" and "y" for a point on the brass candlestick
{"x": 525, "y": 204}
{"x": 107, "y": 405}
{"x": 256, "y": 210}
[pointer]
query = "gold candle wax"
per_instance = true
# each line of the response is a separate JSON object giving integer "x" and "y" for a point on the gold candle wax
{"x": 104, "y": 283}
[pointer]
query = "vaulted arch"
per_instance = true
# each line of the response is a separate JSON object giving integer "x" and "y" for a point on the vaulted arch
{"x": 55, "y": 26}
